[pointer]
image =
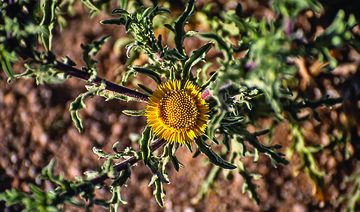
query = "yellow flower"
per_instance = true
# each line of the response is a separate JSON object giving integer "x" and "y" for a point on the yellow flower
{"x": 177, "y": 114}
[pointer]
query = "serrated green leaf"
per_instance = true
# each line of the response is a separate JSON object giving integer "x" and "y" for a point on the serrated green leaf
{"x": 145, "y": 144}
{"x": 232, "y": 120}
{"x": 146, "y": 89}
{"x": 173, "y": 54}
{"x": 119, "y": 21}
{"x": 207, "y": 184}
{"x": 6, "y": 64}
{"x": 108, "y": 168}
{"x": 226, "y": 140}
{"x": 180, "y": 24}
{"x": 77, "y": 120}
{"x": 211, "y": 79}
{"x": 37, "y": 192}
{"x": 99, "y": 152}
{"x": 213, "y": 157}
{"x": 159, "y": 192}
{"x": 91, "y": 5}
{"x": 149, "y": 73}
{"x": 128, "y": 23}
{"x": 275, "y": 156}
{"x": 47, "y": 171}
{"x": 121, "y": 180}
{"x": 260, "y": 133}
{"x": 120, "y": 11}
{"x": 170, "y": 27}
{"x": 157, "y": 11}
{"x": 109, "y": 95}
{"x": 146, "y": 12}
{"x": 196, "y": 57}
{"x": 173, "y": 158}
{"x": 126, "y": 76}
{"x": 92, "y": 50}
{"x": 221, "y": 43}
{"x": 214, "y": 124}
{"x": 119, "y": 197}
{"x": 68, "y": 61}
{"x": 249, "y": 185}
{"x": 48, "y": 20}
{"x": 77, "y": 105}
{"x": 134, "y": 112}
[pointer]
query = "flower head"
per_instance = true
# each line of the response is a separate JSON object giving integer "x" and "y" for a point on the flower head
{"x": 177, "y": 114}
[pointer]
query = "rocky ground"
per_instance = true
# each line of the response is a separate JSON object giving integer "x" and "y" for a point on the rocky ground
{"x": 36, "y": 127}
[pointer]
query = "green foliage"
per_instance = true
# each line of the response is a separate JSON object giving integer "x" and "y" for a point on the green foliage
{"x": 149, "y": 73}
{"x": 178, "y": 28}
{"x": 92, "y": 50}
{"x": 79, "y": 104}
{"x": 95, "y": 6}
{"x": 292, "y": 8}
{"x": 197, "y": 56}
{"x": 241, "y": 91}
{"x": 42, "y": 68}
{"x": 16, "y": 28}
{"x": 207, "y": 184}
{"x": 145, "y": 145}
{"x": 53, "y": 200}
{"x": 47, "y": 22}
{"x": 249, "y": 186}
{"x": 353, "y": 197}
{"x": 159, "y": 190}
{"x": 336, "y": 35}
{"x": 213, "y": 157}
{"x": 308, "y": 162}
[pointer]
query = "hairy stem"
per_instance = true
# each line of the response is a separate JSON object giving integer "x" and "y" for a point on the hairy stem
{"x": 72, "y": 71}
{"x": 69, "y": 70}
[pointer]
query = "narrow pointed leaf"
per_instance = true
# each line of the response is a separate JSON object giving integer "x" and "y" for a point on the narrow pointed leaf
{"x": 213, "y": 157}
{"x": 146, "y": 89}
{"x": 173, "y": 158}
{"x": 196, "y": 57}
{"x": 145, "y": 145}
{"x": 119, "y": 11}
{"x": 149, "y": 73}
{"x": 159, "y": 192}
{"x": 134, "y": 112}
{"x": 180, "y": 24}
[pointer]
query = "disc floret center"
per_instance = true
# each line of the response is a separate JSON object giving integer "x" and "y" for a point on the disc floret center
{"x": 178, "y": 110}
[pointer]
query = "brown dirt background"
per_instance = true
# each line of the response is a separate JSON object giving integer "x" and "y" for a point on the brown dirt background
{"x": 36, "y": 127}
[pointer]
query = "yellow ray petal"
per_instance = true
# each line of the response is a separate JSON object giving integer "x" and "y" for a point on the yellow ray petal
{"x": 175, "y": 114}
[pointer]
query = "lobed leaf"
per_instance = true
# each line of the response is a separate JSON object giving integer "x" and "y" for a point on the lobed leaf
{"x": 213, "y": 157}
{"x": 48, "y": 20}
{"x": 134, "y": 112}
{"x": 173, "y": 158}
{"x": 197, "y": 56}
{"x": 149, "y": 73}
{"x": 145, "y": 144}
{"x": 180, "y": 24}
{"x": 146, "y": 89}
{"x": 159, "y": 192}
